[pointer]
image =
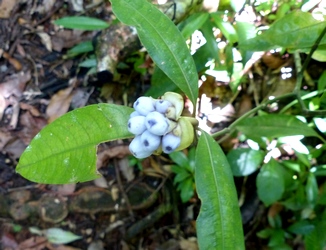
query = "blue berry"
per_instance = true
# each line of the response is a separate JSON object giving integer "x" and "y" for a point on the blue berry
{"x": 150, "y": 141}
{"x": 144, "y": 105}
{"x": 156, "y": 123}
{"x": 162, "y": 106}
{"x": 136, "y": 125}
{"x": 170, "y": 142}
{"x": 137, "y": 149}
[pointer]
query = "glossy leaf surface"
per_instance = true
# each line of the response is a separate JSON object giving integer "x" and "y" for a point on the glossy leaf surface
{"x": 163, "y": 41}
{"x": 82, "y": 23}
{"x": 219, "y": 222}
{"x": 297, "y": 30}
{"x": 244, "y": 161}
{"x": 270, "y": 182}
{"x": 65, "y": 150}
{"x": 316, "y": 239}
{"x": 271, "y": 126}
{"x": 193, "y": 23}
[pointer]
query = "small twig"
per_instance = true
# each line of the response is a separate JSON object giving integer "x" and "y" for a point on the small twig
{"x": 298, "y": 84}
{"x": 124, "y": 195}
{"x": 300, "y": 73}
{"x": 28, "y": 57}
{"x": 23, "y": 188}
{"x": 304, "y": 97}
{"x": 231, "y": 128}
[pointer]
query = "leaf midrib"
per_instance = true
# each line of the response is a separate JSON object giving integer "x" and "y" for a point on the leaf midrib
{"x": 71, "y": 149}
{"x": 183, "y": 72}
{"x": 217, "y": 189}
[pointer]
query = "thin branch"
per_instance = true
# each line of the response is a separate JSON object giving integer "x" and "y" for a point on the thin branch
{"x": 300, "y": 73}
{"x": 251, "y": 112}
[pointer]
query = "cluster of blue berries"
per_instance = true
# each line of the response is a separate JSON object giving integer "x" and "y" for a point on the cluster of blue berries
{"x": 153, "y": 124}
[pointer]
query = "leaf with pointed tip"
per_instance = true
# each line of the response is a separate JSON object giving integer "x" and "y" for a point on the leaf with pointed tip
{"x": 65, "y": 150}
{"x": 290, "y": 32}
{"x": 219, "y": 222}
{"x": 163, "y": 41}
{"x": 82, "y": 23}
{"x": 273, "y": 125}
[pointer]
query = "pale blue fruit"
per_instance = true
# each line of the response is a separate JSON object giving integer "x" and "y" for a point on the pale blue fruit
{"x": 136, "y": 125}
{"x": 162, "y": 106}
{"x": 137, "y": 149}
{"x": 170, "y": 142}
{"x": 156, "y": 123}
{"x": 150, "y": 141}
{"x": 144, "y": 105}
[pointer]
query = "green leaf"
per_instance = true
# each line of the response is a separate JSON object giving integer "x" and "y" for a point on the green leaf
{"x": 297, "y": 200}
{"x": 293, "y": 165}
{"x": 179, "y": 158}
{"x": 311, "y": 189}
{"x": 281, "y": 246}
{"x": 319, "y": 54}
{"x": 265, "y": 233}
{"x": 245, "y": 31}
{"x": 322, "y": 81}
{"x": 270, "y": 183}
{"x": 192, "y": 159}
{"x": 219, "y": 222}
{"x": 160, "y": 84}
{"x": 301, "y": 227}
{"x": 186, "y": 189}
{"x": 271, "y": 126}
{"x": 163, "y": 41}
{"x": 177, "y": 169}
{"x": 291, "y": 31}
{"x": 65, "y": 150}
{"x": 316, "y": 239}
{"x": 244, "y": 161}
{"x": 226, "y": 28}
{"x": 193, "y": 23}
{"x": 88, "y": 63}
{"x": 81, "y": 48}
{"x": 180, "y": 177}
{"x": 59, "y": 236}
{"x": 209, "y": 50}
{"x": 82, "y": 23}
{"x": 277, "y": 238}
{"x": 56, "y": 235}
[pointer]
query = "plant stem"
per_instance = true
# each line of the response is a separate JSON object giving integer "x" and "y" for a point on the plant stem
{"x": 300, "y": 73}
{"x": 305, "y": 97}
{"x": 300, "y": 69}
{"x": 249, "y": 113}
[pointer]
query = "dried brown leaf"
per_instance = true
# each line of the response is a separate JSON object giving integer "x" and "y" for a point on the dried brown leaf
{"x": 59, "y": 103}
{"x": 31, "y": 125}
{"x": 15, "y": 84}
{"x": 117, "y": 151}
{"x": 46, "y": 40}
{"x": 6, "y": 6}
{"x": 34, "y": 111}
